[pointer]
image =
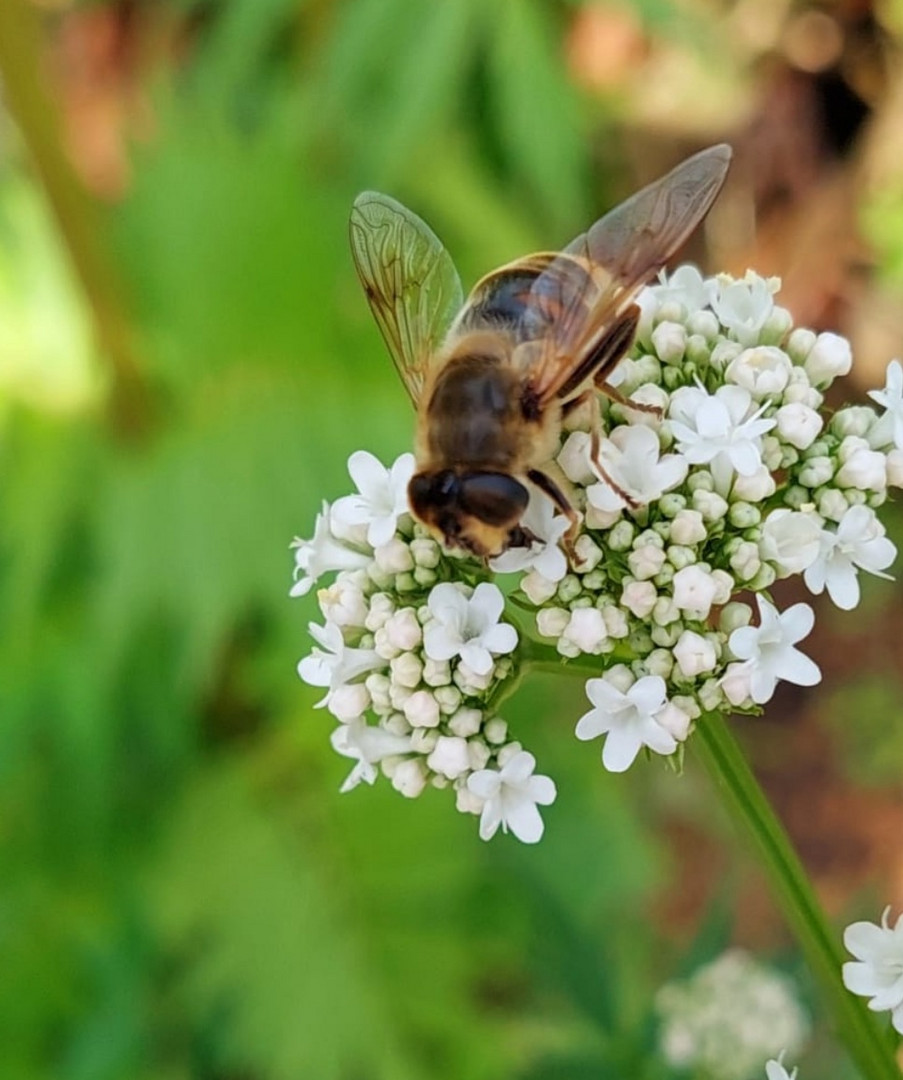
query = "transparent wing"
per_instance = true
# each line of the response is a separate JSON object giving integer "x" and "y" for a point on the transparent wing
{"x": 410, "y": 281}
{"x": 619, "y": 254}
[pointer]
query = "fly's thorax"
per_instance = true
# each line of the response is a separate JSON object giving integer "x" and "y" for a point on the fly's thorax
{"x": 473, "y": 415}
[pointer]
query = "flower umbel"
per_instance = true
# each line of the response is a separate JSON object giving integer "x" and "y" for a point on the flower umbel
{"x": 736, "y": 475}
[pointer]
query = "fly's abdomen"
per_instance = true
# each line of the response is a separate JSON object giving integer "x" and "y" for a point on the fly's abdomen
{"x": 473, "y": 414}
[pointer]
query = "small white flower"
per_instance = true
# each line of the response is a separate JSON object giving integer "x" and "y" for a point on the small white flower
{"x": 695, "y": 654}
{"x": 631, "y": 455}
{"x": 349, "y": 702}
{"x": 450, "y": 756}
{"x": 736, "y": 683}
{"x": 639, "y": 597}
{"x": 367, "y": 745}
{"x": 791, "y": 540}
{"x": 774, "y": 1069}
{"x": 421, "y": 710}
{"x": 862, "y": 468}
{"x": 895, "y": 468}
{"x": 403, "y": 630}
{"x": 544, "y": 555}
{"x": 510, "y": 797}
{"x": 858, "y": 544}
{"x": 382, "y": 495}
{"x": 586, "y": 630}
{"x": 409, "y": 778}
{"x": 332, "y": 662}
{"x": 646, "y": 561}
{"x": 343, "y": 603}
{"x": 536, "y": 588}
{"x": 629, "y": 720}
{"x": 322, "y": 554}
{"x": 468, "y": 627}
{"x": 743, "y": 307}
{"x": 669, "y": 339}
{"x": 394, "y": 556}
{"x": 574, "y": 458}
{"x": 756, "y": 487}
{"x": 685, "y": 286}
{"x": 798, "y": 425}
{"x": 694, "y": 591}
{"x": 877, "y": 971}
{"x": 891, "y": 398}
{"x": 720, "y": 430}
{"x": 764, "y": 371}
{"x": 770, "y": 647}
{"x": 829, "y": 357}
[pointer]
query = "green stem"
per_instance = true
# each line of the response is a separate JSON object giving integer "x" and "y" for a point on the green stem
{"x": 77, "y": 215}
{"x": 860, "y": 1029}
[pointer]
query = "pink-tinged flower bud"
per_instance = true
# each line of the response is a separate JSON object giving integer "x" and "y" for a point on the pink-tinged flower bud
{"x": 694, "y": 654}
{"x": 586, "y": 630}
{"x": 639, "y": 597}
{"x": 348, "y": 702}
{"x": 674, "y": 720}
{"x": 688, "y": 528}
{"x": 421, "y": 710}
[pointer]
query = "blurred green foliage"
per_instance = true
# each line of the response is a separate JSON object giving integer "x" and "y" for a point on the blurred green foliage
{"x": 183, "y": 892}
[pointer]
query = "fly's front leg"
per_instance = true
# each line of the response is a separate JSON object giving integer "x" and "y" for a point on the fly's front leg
{"x": 588, "y": 397}
{"x": 548, "y": 486}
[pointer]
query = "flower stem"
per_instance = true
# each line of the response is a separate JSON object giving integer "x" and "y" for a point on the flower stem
{"x": 77, "y": 215}
{"x": 860, "y": 1030}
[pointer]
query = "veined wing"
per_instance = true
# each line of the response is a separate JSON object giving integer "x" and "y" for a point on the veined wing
{"x": 619, "y": 254}
{"x": 410, "y": 281}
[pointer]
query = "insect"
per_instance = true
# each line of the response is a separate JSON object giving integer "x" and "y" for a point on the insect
{"x": 494, "y": 377}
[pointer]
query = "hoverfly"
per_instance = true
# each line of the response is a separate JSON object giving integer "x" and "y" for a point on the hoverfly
{"x": 494, "y": 377}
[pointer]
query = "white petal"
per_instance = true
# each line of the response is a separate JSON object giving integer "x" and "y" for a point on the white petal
{"x": 590, "y": 725}
{"x": 367, "y": 472}
{"x": 542, "y": 790}
{"x": 474, "y": 655}
{"x": 865, "y": 940}
{"x": 439, "y": 643}
{"x": 484, "y": 783}
{"x": 500, "y": 639}
{"x": 519, "y": 768}
{"x": 489, "y": 601}
{"x": 622, "y": 744}
{"x": 525, "y": 822}
{"x": 797, "y": 622}
{"x": 648, "y": 693}
{"x": 797, "y": 668}
{"x": 490, "y": 819}
{"x": 842, "y": 583}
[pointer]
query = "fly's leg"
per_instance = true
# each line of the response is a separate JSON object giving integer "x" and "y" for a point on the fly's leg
{"x": 588, "y": 397}
{"x": 548, "y": 486}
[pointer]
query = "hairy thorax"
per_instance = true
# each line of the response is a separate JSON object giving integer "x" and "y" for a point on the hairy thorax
{"x": 474, "y": 413}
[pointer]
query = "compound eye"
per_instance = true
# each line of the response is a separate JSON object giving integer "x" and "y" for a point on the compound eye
{"x": 494, "y": 498}
{"x": 429, "y": 493}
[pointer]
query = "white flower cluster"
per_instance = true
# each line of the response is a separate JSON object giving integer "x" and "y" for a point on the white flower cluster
{"x": 877, "y": 971}
{"x": 728, "y": 1017}
{"x": 412, "y": 656}
{"x": 739, "y": 478}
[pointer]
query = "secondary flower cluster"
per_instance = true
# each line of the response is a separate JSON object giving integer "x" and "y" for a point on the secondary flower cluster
{"x": 737, "y": 477}
{"x": 414, "y": 642}
{"x": 728, "y": 1017}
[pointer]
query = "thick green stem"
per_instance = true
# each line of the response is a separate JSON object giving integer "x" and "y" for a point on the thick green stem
{"x": 862, "y": 1031}
{"x": 77, "y": 215}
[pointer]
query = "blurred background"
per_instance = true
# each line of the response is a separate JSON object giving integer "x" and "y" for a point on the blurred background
{"x": 186, "y": 362}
